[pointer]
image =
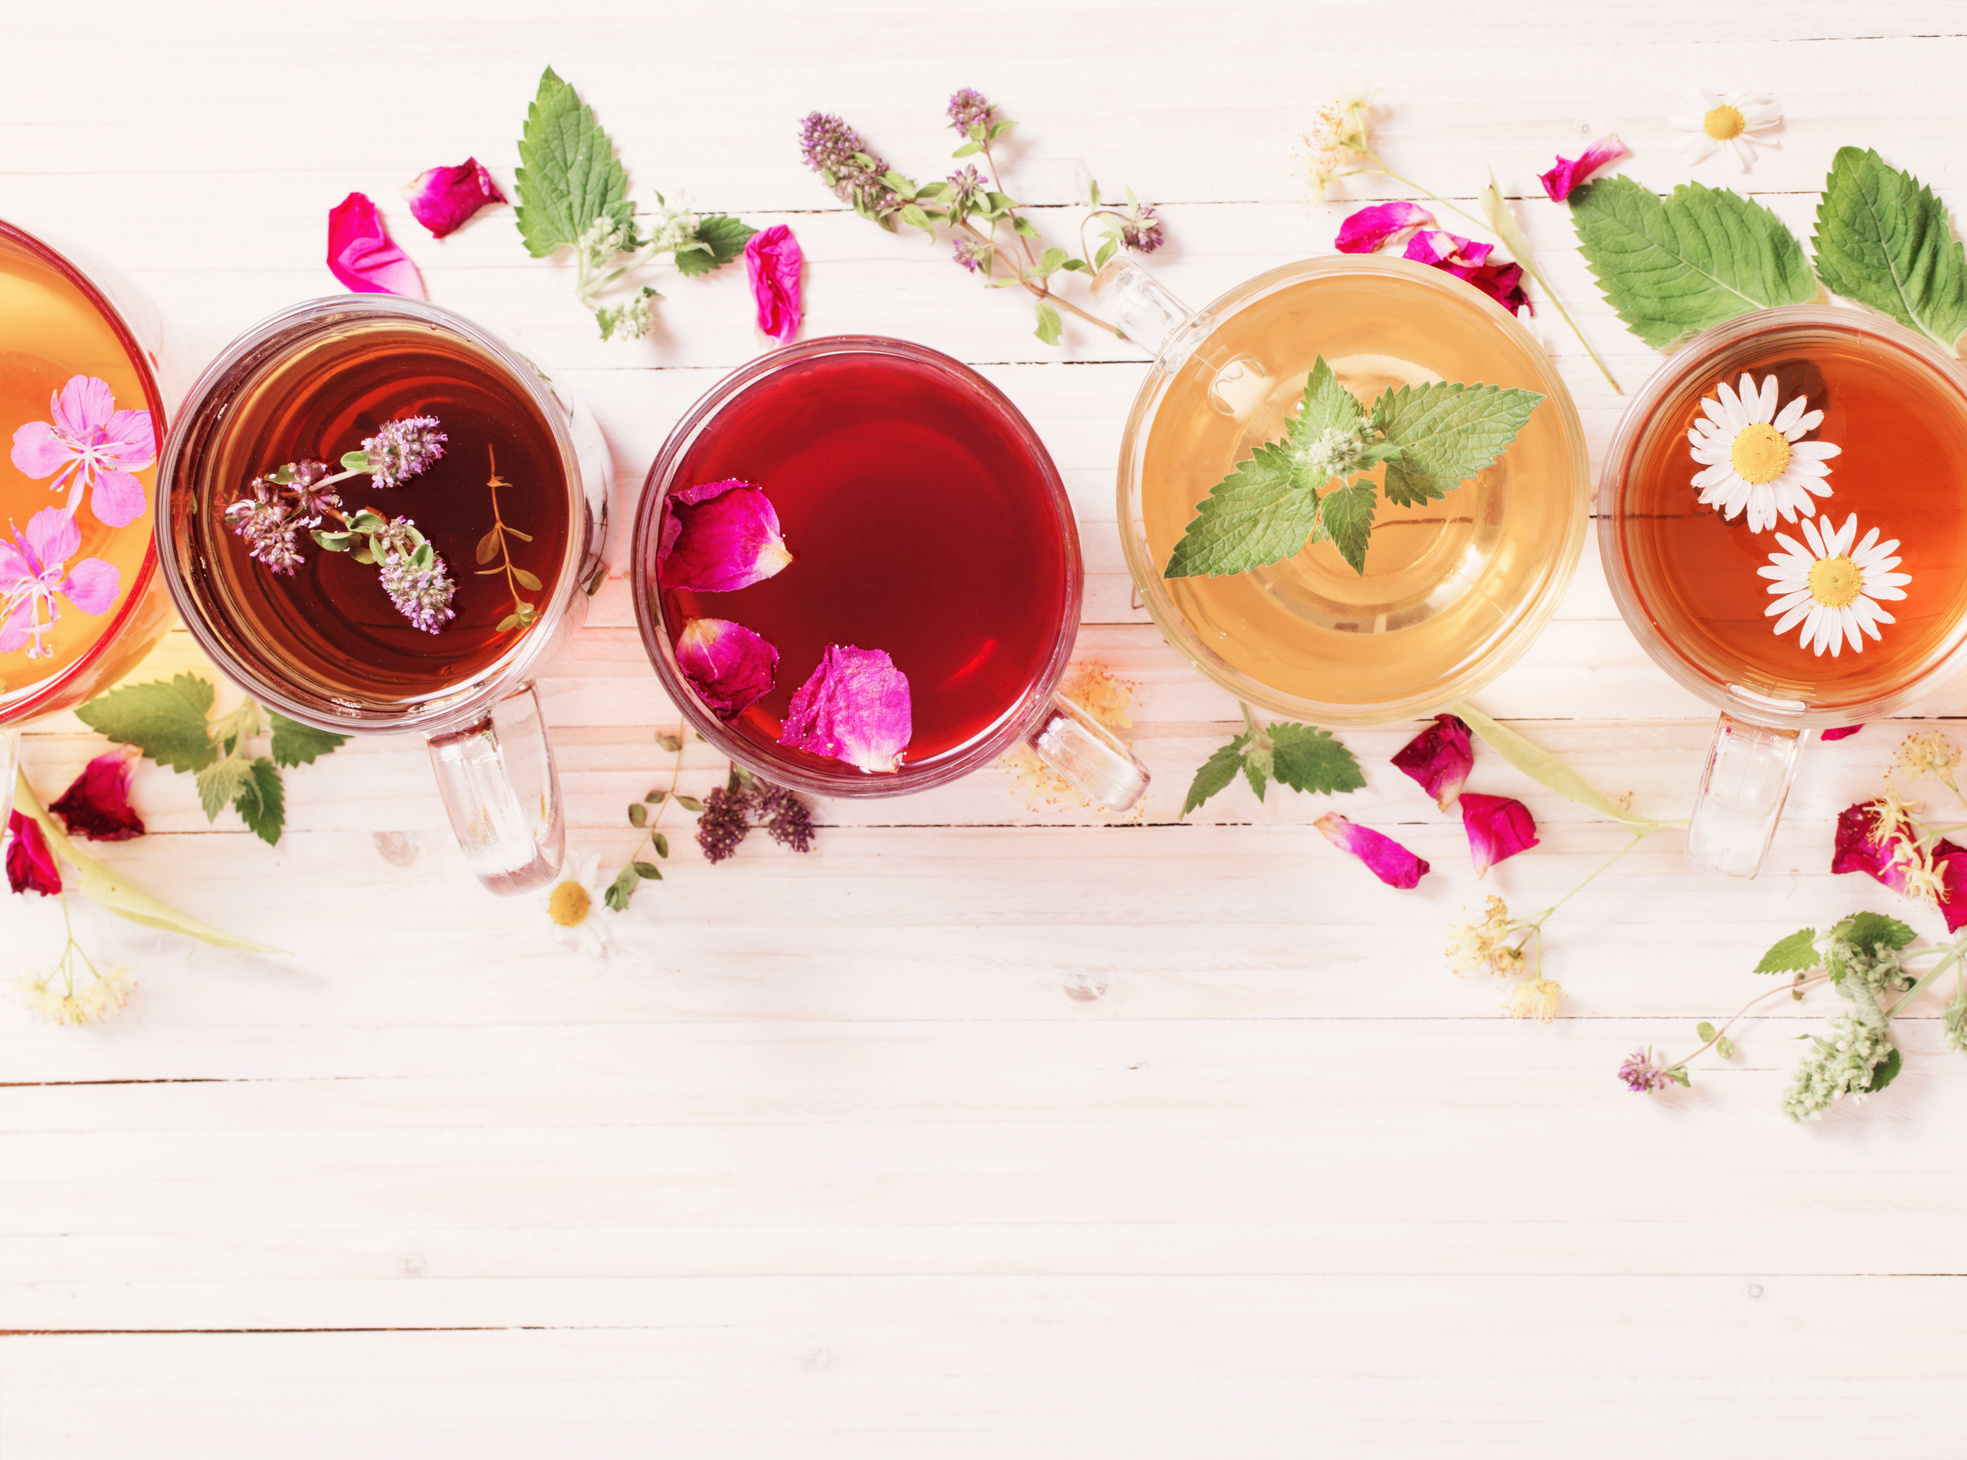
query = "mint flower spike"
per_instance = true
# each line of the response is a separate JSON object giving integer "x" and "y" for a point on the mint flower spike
{"x": 399, "y": 450}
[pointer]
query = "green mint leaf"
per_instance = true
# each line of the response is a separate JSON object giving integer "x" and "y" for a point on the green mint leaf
{"x": 1345, "y": 515}
{"x": 220, "y": 783}
{"x": 1259, "y": 767}
{"x": 1262, "y": 512}
{"x": 1885, "y": 1072}
{"x": 568, "y": 175}
{"x": 1216, "y": 773}
{"x": 164, "y": 718}
{"x": 298, "y": 744}
{"x": 1309, "y": 759}
{"x": 1675, "y": 266}
{"x": 262, "y": 801}
{"x": 1326, "y": 405}
{"x": 723, "y": 238}
{"x": 1883, "y": 239}
{"x": 1795, "y": 954}
{"x": 1050, "y": 326}
{"x": 1872, "y": 932}
{"x": 1446, "y": 434}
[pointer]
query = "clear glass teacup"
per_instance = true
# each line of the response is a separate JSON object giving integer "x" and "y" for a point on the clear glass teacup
{"x": 1454, "y": 591}
{"x": 1783, "y": 518}
{"x": 360, "y": 628}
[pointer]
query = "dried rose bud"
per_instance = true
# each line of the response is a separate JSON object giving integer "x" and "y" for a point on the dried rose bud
{"x": 719, "y": 537}
{"x": 1384, "y": 857}
{"x": 30, "y": 864}
{"x": 730, "y": 667}
{"x": 97, "y": 804}
{"x": 444, "y": 198}
{"x": 854, "y": 708}
{"x": 1439, "y": 758}
{"x": 1498, "y": 828}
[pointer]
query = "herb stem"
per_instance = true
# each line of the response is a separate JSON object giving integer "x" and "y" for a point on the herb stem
{"x": 1736, "y": 1017}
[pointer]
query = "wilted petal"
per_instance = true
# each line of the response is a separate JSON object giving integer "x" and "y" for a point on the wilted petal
{"x": 1842, "y": 733}
{"x": 97, "y": 805}
{"x": 361, "y": 256}
{"x": 30, "y": 865}
{"x": 1502, "y": 283}
{"x": 1559, "y": 181}
{"x": 1498, "y": 828}
{"x": 1950, "y": 861}
{"x": 719, "y": 537}
{"x": 730, "y": 667}
{"x": 772, "y": 261}
{"x": 854, "y": 708}
{"x": 443, "y": 198}
{"x": 1865, "y": 844}
{"x": 1370, "y": 228}
{"x": 91, "y": 585}
{"x": 1440, "y": 758}
{"x": 1384, "y": 857}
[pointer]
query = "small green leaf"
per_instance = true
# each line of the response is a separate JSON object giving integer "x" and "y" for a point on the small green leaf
{"x": 1215, "y": 773}
{"x": 1446, "y": 434}
{"x": 355, "y": 461}
{"x": 661, "y": 843}
{"x": 968, "y": 149}
{"x": 1725, "y": 1047}
{"x": 1076, "y": 266}
{"x": 1312, "y": 760}
{"x": 334, "y": 542}
{"x": 622, "y": 889}
{"x": 1705, "y": 1030}
{"x": 648, "y": 871}
{"x": 1050, "y": 326}
{"x": 1346, "y": 516}
{"x": 638, "y": 814}
{"x": 1262, "y": 512}
{"x": 220, "y": 783}
{"x": 1259, "y": 767}
{"x": 1885, "y": 1072}
{"x": 1795, "y": 954}
{"x": 1884, "y": 240}
{"x": 568, "y": 175}
{"x": 262, "y": 801}
{"x": 1052, "y": 260}
{"x": 298, "y": 744}
{"x": 912, "y": 214}
{"x": 689, "y": 803}
{"x": 1678, "y": 1074}
{"x": 655, "y": 798}
{"x": 1547, "y": 770}
{"x": 525, "y": 579}
{"x": 163, "y": 718}
{"x": 1024, "y": 226}
{"x": 1872, "y": 932}
{"x": 1105, "y": 252}
{"x": 506, "y": 624}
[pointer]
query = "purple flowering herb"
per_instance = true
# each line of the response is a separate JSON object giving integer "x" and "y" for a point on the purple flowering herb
{"x": 968, "y": 108}
{"x": 1643, "y": 1075}
{"x": 845, "y": 163}
{"x": 402, "y": 448}
{"x": 743, "y": 803}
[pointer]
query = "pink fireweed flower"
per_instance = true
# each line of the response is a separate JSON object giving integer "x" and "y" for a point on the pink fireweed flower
{"x": 1567, "y": 174}
{"x": 730, "y": 667}
{"x": 444, "y": 198}
{"x": 1371, "y": 229}
{"x": 719, "y": 537}
{"x": 772, "y": 260}
{"x": 1439, "y": 758}
{"x": 1384, "y": 857}
{"x": 97, "y": 804}
{"x": 855, "y": 708}
{"x": 360, "y": 255}
{"x": 87, "y": 443}
{"x": 1498, "y": 828}
{"x": 30, "y": 865}
{"x": 34, "y": 572}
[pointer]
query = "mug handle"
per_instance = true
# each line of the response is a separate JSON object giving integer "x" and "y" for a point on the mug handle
{"x": 1089, "y": 756}
{"x": 503, "y": 794}
{"x": 1146, "y": 313}
{"x": 1749, "y": 768}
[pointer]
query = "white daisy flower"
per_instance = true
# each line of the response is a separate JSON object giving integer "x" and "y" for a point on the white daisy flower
{"x": 574, "y": 906}
{"x": 1832, "y": 588}
{"x": 1739, "y": 124}
{"x": 1755, "y": 456}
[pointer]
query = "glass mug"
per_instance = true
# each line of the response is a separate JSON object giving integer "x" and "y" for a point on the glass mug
{"x": 1454, "y": 590}
{"x": 522, "y": 486}
{"x": 1705, "y": 594}
{"x": 78, "y": 344}
{"x": 925, "y": 519}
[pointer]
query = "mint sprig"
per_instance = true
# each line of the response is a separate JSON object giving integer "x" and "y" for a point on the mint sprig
{"x": 1303, "y": 757}
{"x": 1431, "y": 438}
{"x": 1883, "y": 239}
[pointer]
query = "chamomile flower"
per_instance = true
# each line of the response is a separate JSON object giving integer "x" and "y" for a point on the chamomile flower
{"x": 1754, "y": 456}
{"x": 574, "y": 906}
{"x": 1737, "y": 124}
{"x": 1832, "y": 588}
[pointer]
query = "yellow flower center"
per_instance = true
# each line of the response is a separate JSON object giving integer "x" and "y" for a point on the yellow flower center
{"x": 1724, "y": 124}
{"x": 1834, "y": 582}
{"x": 1760, "y": 453}
{"x": 569, "y": 904}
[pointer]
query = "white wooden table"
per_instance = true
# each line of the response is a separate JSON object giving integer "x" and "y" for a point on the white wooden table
{"x": 979, "y": 1131}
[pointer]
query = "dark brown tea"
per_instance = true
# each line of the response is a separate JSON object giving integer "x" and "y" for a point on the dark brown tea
{"x": 496, "y": 508}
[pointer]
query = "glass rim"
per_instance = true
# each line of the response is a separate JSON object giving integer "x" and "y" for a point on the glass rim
{"x": 215, "y": 386}
{"x": 849, "y": 782}
{"x": 1513, "y": 641}
{"x": 1689, "y": 358}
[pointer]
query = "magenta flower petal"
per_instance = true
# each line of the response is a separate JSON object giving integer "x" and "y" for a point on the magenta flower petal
{"x": 444, "y": 197}
{"x": 1445, "y": 250}
{"x": 1844, "y": 733}
{"x": 1498, "y": 828}
{"x": 119, "y": 498}
{"x": 97, "y": 805}
{"x": 772, "y": 260}
{"x": 1370, "y": 228}
{"x": 85, "y": 403}
{"x": 730, "y": 667}
{"x": 1950, "y": 861}
{"x": 1865, "y": 843}
{"x": 1384, "y": 857}
{"x": 361, "y": 256}
{"x": 719, "y": 537}
{"x": 854, "y": 708}
{"x": 30, "y": 865}
{"x": 1440, "y": 758}
{"x": 91, "y": 585}
{"x": 52, "y": 536}
{"x": 38, "y": 452}
{"x": 1559, "y": 181}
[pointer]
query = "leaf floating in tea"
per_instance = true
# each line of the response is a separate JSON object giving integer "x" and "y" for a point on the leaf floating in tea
{"x": 444, "y": 198}
{"x": 719, "y": 537}
{"x": 855, "y": 708}
{"x": 1384, "y": 857}
{"x": 1498, "y": 828}
{"x": 360, "y": 255}
{"x": 1439, "y": 759}
{"x": 730, "y": 667}
{"x": 1883, "y": 239}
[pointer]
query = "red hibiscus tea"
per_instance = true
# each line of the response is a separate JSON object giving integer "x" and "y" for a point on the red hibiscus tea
{"x": 923, "y": 518}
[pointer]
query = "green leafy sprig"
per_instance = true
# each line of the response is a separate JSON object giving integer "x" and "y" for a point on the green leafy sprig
{"x": 639, "y": 869}
{"x": 573, "y": 193}
{"x": 494, "y": 545}
{"x": 171, "y": 722}
{"x": 1302, "y": 757}
{"x": 1429, "y": 439}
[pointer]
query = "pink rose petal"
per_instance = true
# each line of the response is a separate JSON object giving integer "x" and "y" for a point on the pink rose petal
{"x": 1439, "y": 758}
{"x": 1865, "y": 845}
{"x": 1841, "y": 734}
{"x": 1559, "y": 181}
{"x": 772, "y": 260}
{"x": 361, "y": 256}
{"x": 854, "y": 708}
{"x": 30, "y": 865}
{"x": 1498, "y": 828}
{"x": 97, "y": 805}
{"x": 730, "y": 667}
{"x": 1370, "y": 228}
{"x": 444, "y": 197}
{"x": 1442, "y": 249}
{"x": 719, "y": 537}
{"x": 1384, "y": 857}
